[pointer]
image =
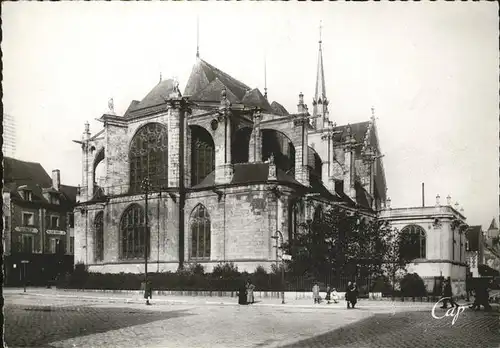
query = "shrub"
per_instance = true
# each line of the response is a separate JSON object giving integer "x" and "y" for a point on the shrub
{"x": 382, "y": 284}
{"x": 225, "y": 271}
{"x": 412, "y": 286}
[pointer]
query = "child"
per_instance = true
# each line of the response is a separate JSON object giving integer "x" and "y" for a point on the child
{"x": 335, "y": 296}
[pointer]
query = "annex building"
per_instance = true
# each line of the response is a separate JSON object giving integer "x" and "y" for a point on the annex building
{"x": 225, "y": 169}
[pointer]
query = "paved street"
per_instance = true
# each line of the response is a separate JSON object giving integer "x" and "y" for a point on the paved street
{"x": 59, "y": 321}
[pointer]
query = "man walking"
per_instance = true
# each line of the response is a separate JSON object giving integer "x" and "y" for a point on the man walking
{"x": 448, "y": 294}
{"x": 315, "y": 291}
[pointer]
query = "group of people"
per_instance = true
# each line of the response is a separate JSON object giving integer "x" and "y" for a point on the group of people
{"x": 481, "y": 296}
{"x": 351, "y": 294}
{"x": 245, "y": 293}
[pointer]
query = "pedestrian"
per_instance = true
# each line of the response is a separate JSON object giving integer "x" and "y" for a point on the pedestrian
{"x": 242, "y": 294}
{"x": 315, "y": 291}
{"x": 328, "y": 293}
{"x": 250, "y": 287}
{"x": 448, "y": 294}
{"x": 354, "y": 294}
{"x": 348, "y": 294}
{"x": 335, "y": 296}
{"x": 481, "y": 297}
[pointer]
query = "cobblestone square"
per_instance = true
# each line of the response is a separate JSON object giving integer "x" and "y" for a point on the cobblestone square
{"x": 57, "y": 321}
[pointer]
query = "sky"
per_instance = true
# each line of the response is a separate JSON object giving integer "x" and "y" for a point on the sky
{"x": 430, "y": 70}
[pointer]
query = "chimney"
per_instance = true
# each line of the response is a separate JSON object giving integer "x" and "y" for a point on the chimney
{"x": 56, "y": 179}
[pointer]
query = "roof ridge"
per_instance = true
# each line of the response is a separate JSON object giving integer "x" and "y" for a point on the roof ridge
{"x": 225, "y": 74}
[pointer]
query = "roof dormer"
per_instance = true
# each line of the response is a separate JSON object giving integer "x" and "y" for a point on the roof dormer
{"x": 25, "y": 192}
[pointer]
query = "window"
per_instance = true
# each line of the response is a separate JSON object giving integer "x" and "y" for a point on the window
{"x": 200, "y": 233}
{"x": 99, "y": 236}
{"x": 294, "y": 220}
{"x": 54, "y": 199}
{"x": 71, "y": 220}
{"x": 27, "y": 245}
{"x": 202, "y": 154}
{"x": 56, "y": 246}
{"x": 132, "y": 231}
{"x": 28, "y": 195}
{"x": 54, "y": 221}
{"x": 28, "y": 219}
{"x": 72, "y": 245}
{"x": 413, "y": 242}
{"x": 148, "y": 157}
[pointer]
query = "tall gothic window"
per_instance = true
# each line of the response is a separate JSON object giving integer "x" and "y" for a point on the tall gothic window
{"x": 413, "y": 242}
{"x": 202, "y": 154}
{"x": 200, "y": 233}
{"x": 99, "y": 236}
{"x": 148, "y": 157}
{"x": 294, "y": 220}
{"x": 132, "y": 233}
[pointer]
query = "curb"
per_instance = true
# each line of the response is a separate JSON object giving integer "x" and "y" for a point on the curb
{"x": 367, "y": 306}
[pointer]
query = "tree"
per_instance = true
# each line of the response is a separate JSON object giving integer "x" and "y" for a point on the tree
{"x": 345, "y": 244}
{"x": 394, "y": 263}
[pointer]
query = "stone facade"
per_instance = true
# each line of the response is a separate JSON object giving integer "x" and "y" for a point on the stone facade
{"x": 247, "y": 202}
{"x": 445, "y": 242}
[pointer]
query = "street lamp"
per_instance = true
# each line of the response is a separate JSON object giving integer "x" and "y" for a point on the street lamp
{"x": 146, "y": 187}
{"x": 151, "y": 139}
{"x": 277, "y": 236}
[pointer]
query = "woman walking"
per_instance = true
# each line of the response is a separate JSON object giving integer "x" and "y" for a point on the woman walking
{"x": 250, "y": 288}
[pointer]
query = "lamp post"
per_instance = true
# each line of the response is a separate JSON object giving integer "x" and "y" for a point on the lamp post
{"x": 151, "y": 140}
{"x": 146, "y": 186}
{"x": 279, "y": 235}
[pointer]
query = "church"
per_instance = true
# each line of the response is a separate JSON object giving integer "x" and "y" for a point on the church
{"x": 228, "y": 175}
{"x": 220, "y": 173}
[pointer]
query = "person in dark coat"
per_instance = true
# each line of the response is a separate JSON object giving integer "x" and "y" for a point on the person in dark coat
{"x": 348, "y": 294}
{"x": 448, "y": 294}
{"x": 328, "y": 293}
{"x": 481, "y": 297}
{"x": 242, "y": 294}
{"x": 354, "y": 294}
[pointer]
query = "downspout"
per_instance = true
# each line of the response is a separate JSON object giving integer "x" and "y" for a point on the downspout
{"x": 182, "y": 193}
{"x": 158, "y": 218}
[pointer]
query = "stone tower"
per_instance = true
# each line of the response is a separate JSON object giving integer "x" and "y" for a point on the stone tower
{"x": 320, "y": 101}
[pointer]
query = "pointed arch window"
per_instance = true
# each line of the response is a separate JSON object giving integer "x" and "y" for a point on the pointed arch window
{"x": 99, "y": 236}
{"x": 148, "y": 157}
{"x": 413, "y": 242}
{"x": 132, "y": 233}
{"x": 202, "y": 154}
{"x": 200, "y": 233}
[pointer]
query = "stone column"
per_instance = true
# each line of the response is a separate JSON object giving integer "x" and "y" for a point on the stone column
{"x": 301, "y": 150}
{"x": 255, "y": 146}
{"x": 222, "y": 140}
{"x": 349, "y": 168}
{"x": 173, "y": 125}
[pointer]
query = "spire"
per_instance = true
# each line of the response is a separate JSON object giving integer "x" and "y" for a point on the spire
{"x": 320, "y": 102}
{"x": 320, "y": 94}
{"x": 197, "y": 37}
{"x": 265, "y": 78}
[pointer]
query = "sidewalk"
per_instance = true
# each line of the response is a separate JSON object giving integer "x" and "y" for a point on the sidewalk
{"x": 111, "y": 297}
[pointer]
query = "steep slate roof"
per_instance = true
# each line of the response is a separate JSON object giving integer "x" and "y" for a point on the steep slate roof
{"x": 493, "y": 225}
{"x": 206, "y": 83}
{"x": 155, "y": 97}
{"x": 25, "y": 173}
{"x": 256, "y": 99}
{"x": 19, "y": 173}
{"x": 358, "y": 131}
{"x": 279, "y": 109}
{"x": 472, "y": 234}
{"x": 245, "y": 173}
{"x": 204, "y": 73}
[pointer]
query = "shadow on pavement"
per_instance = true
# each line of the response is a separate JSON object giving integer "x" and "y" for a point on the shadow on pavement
{"x": 414, "y": 329}
{"x": 37, "y": 326}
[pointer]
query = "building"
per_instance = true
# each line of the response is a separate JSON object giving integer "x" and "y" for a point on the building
{"x": 227, "y": 169}
{"x": 9, "y": 136}
{"x": 474, "y": 249}
{"x": 493, "y": 231}
{"x": 439, "y": 233}
{"x": 38, "y": 222}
